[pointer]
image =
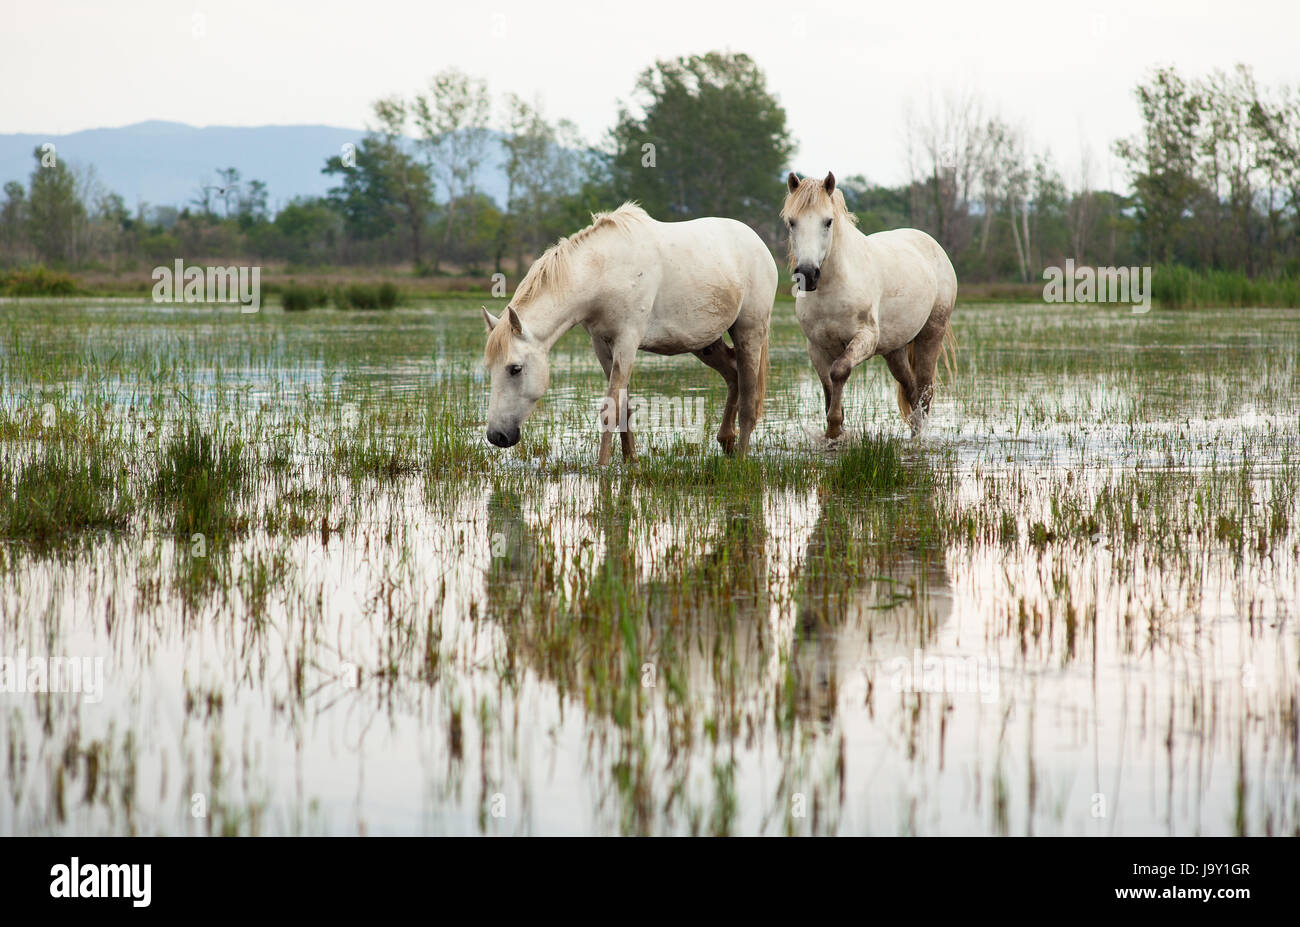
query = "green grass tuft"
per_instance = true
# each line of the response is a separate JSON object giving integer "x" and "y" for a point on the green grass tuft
{"x": 875, "y": 464}
{"x": 64, "y": 491}
{"x": 36, "y": 281}
{"x": 297, "y": 298}
{"x": 366, "y": 296}
{"x": 200, "y": 478}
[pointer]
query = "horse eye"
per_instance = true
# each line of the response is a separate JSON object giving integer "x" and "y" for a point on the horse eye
{"x": 791, "y": 223}
{"x": 514, "y": 369}
{"x": 828, "y": 222}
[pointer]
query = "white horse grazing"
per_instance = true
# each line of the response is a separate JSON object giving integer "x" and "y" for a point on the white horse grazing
{"x": 637, "y": 284}
{"x": 891, "y": 293}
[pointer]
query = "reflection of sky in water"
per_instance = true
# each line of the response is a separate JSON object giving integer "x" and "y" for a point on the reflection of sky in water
{"x": 1119, "y": 664}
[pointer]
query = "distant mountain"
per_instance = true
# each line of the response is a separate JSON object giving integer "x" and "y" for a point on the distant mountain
{"x": 164, "y": 163}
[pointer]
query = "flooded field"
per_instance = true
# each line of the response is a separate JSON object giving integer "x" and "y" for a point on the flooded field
{"x": 317, "y": 601}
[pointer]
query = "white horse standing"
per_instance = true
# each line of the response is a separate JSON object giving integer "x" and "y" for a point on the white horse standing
{"x": 637, "y": 284}
{"x": 891, "y": 293}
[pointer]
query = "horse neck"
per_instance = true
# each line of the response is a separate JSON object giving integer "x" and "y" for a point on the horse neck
{"x": 549, "y": 316}
{"x": 838, "y": 255}
{"x": 548, "y": 319}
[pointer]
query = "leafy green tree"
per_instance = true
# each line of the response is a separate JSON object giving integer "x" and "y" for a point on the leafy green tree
{"x": 706, "y": 138}
{"x": 363, "y": 195}
{"x": 13, "y": 219}
{"x": 480, "y": 221}
{"x": 308, "y": 231}
{"x": 228, "y": 190}
{"x": 54, "y": 210}
{"x": 252, "y": 204}
{"x": 877, "y": 208}
{"x": 452, "y": 119}
{"x": 1276, "y": 124}
{"x": 545, "y": 163}
{"x": 386, "y": 186}
{"x": 1162, "y": 162}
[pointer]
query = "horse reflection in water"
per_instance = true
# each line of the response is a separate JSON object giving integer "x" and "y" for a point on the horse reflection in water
{"x": 860, "y": 609}
{"x": 694, "y": 646}
{"x": 679, "y": 599}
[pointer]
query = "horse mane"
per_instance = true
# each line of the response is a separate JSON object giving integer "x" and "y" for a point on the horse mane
{"x": 811, "y": 193}
{"x": 550, "y": 273}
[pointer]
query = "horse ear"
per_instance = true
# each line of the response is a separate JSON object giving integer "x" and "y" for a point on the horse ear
{"x": 515, "y": 324}
{"x": 829, "y": 183}
{"x": 487, "y": 317}
{"x": 792, "y": 182}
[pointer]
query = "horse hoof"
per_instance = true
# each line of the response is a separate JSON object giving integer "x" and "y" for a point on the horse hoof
{"x": 728, "y": 445}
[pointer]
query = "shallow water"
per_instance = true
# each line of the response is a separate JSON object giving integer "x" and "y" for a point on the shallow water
{"x": 1088, "y": 625}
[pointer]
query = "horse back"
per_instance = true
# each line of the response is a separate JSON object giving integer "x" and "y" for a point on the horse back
{"x": 908, "y": 253}
{"x": 707, "y": 268}
{"x": 914, "y": 278}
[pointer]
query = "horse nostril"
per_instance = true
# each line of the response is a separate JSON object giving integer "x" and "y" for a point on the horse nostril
{"x": 808, "y": 276}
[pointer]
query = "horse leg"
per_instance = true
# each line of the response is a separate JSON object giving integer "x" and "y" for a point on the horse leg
{"x": 750, "y": 336}
{"x": 722, "y": 358}
{"x": 924, "y": 355}
{"x": 862, "y": 346}
{"x": 924, "y": 359}
{"x": 603, "y": 354}
{"x": 900, "y": 365}
{"x": 606, "y": 357}
{"x": 821, "y": 361}
{"x": 620, "y": 375}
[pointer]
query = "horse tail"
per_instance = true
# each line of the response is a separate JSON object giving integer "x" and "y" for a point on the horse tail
{"x": 949, "y": 352}
{"x": 905, "y": 407}
{"x": 762, "y": 377}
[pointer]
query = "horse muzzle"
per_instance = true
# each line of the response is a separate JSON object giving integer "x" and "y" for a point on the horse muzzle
{"x": 502, "y": 438}
{"x": 806, "y": 277}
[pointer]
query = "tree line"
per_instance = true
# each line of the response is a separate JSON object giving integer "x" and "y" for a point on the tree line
{"x": 1213, "y": 174}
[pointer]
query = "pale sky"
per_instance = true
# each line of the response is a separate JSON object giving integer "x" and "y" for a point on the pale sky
{"x": 845, "y": 71}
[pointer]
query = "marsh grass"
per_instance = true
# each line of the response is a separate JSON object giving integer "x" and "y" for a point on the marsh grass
{"x": 1178, "y": 287}
{"x": 366, "y": 296}
{"x": 64, "y": 492}
{"x": 692, "y": 466}
{"x": 376, "y": 458}
{"x": 451, "y": 449}
{"x": 202, "y": 475}
{"x": 676, "y": 645}
{"x": 299, "y": 298}
{"x": 873, "y": 463}
{"x": 36, "y": 281}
